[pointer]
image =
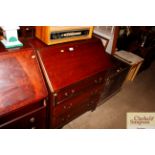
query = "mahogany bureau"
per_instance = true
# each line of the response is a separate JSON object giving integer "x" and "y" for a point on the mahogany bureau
{"x": 22, "y": 90}
{"x": 75, "y": 75}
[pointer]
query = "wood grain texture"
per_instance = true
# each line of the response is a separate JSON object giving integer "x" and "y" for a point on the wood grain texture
{"x": 75, "y": 73}
{"x": 32, "y": 119}
{"x": 72, "y": 62}
{"x": 21, "y": 82}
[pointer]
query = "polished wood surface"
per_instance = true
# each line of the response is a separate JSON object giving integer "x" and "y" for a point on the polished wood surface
{"x": 79, "y": 87}
{"x": 21, "y": 82}
{"x": 73, "y": 102}
{"x": 75, "y": 74}
{"x": 36, "y": 43}
{"x": 72, "y": 62}
{"x": 71, "y": 109}
{"x": 35, "y": 119}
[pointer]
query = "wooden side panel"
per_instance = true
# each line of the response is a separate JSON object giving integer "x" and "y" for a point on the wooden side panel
{"x": 38, "y": 31}
{"x": 42, "y": 33}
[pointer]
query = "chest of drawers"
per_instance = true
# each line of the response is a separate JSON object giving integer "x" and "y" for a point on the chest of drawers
{"x": 75, "y": 74}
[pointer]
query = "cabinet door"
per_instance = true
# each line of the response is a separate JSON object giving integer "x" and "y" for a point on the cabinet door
{"x": 32, "y": 120}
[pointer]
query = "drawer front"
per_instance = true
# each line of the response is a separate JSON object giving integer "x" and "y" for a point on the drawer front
{"x": 73, "y": 103}
{"x": 33, "y": 120}
{"x": 78, "y": 88}
{"x": 61, "y": 120}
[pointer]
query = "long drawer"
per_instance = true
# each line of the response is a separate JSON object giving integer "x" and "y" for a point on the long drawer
{"x": 61, "y": 120}
{"x": 74, "y": 102}
{"x": 35, "y": 119}
{"x": 68, "y": 92}
{"x": 70, "y": 109}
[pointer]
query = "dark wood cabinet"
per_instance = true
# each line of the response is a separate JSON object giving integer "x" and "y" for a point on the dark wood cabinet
{"x": 115, "y": 78}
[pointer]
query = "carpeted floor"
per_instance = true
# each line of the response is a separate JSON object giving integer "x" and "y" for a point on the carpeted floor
{"x": 136, "y": 96}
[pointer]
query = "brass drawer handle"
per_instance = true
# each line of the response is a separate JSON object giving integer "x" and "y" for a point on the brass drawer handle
{"x": 66, "y": 94}
{"x": 73, "y": 91}
{"x": 32, "y": 120}
{"x": 118, "y": 70}
{"x": 68, "y": 107}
